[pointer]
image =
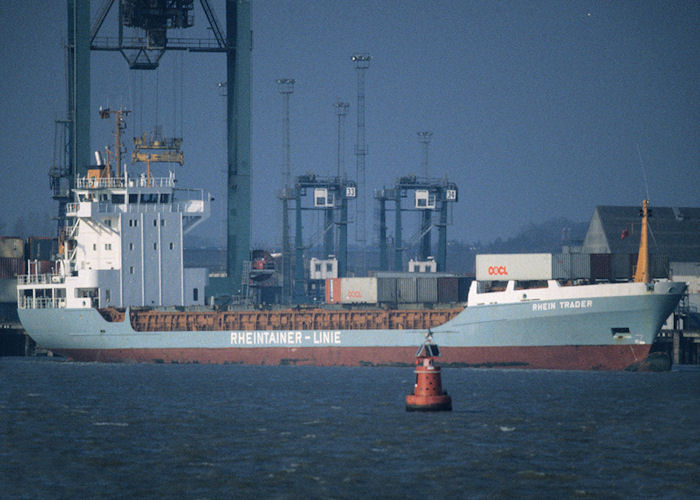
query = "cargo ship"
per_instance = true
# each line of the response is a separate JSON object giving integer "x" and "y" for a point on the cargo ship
{"x": 120, "y": 292}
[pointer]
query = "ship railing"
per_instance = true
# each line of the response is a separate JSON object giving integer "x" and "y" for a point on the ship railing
{"x": 113, "y": 182}
{"x": 88, "y": 209}
{"x": 72, "y": 209}
{"x": 144, "y": 181}
{"x": 41, "y": 303}
{"x": 98, "y": 182}
{"x": 39, "y": 279}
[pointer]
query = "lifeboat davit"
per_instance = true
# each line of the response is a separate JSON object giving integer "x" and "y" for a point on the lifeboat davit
{"x": 427, "y": 393}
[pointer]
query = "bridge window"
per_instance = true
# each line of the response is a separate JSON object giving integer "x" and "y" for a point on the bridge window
{"x": 149, "y": 198}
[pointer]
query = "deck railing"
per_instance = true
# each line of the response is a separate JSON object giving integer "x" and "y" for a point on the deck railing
{"x": 113, "y": 182}
{"x": 39, "y": 279}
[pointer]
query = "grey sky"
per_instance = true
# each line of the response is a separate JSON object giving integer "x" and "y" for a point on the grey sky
{"x": 538, "y": 109}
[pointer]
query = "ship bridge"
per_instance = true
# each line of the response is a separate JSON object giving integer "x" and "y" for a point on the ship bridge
{"x": 113, "y": 196}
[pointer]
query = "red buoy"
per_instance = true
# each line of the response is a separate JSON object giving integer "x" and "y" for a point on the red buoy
{"x": 428, "y": 394}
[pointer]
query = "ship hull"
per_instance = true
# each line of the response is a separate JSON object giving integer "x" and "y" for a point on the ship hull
{"x": 610, "y": 357}
{"x": 602, "y": 332}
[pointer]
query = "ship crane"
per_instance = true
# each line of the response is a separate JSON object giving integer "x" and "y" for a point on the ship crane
{"x": 141, "y": 29}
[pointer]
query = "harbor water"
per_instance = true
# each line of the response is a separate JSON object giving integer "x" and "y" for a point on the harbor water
{"x": 92, "y": 430}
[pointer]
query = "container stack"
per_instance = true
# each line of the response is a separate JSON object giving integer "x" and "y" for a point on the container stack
{"x": 394, "y": 289}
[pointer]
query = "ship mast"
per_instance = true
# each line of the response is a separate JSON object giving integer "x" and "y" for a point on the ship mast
{"x": 641, "y": 274}
{"x": 119, "y": 115}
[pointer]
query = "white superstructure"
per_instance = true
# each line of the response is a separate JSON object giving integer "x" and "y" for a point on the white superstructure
{"x": 123, "y": 244}
{"x": 124, "y": 248}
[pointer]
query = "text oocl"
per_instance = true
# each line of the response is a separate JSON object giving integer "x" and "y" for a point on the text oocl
{"x": 497, "y": 271}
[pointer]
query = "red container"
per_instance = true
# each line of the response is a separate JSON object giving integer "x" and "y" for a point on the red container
{"x": 10, "y": 267}
{"x": 333, "y": 293}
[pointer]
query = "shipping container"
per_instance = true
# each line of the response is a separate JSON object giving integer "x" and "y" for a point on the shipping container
{"x": 10, "y": 267}
{"x": 561, "y": 266}
{"x": 464, "y": 285}
{"x": 570, "y": 266}
{"x": 406, "y": 274}
{"x": 42, "y": 248}
{"x": 658, "y": 266}
{"x": 580, "y": 266}
{"x": 621, "y": 266}
{"x": 406, "y": 290}
{"x": 522, "y": 266}
{"x": 11, "y": 247}
{"x": 448, "y": 290}
{"x": 426, "y": 290}
{"x": 600, "y": 266}
{"x": 358, "y": 290}
{"x": 386, "y": 290}
{"x": 333, "y": 293}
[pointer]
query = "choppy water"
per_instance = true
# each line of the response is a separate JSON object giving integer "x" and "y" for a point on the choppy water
{"x": 76, "y": 430}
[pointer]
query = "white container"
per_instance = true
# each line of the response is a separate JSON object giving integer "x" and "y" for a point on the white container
{"x": 514, "y": 266}
{"x": 358, "y": 290}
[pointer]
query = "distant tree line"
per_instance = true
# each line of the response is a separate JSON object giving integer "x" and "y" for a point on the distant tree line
{"x": 546, "y": 237}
